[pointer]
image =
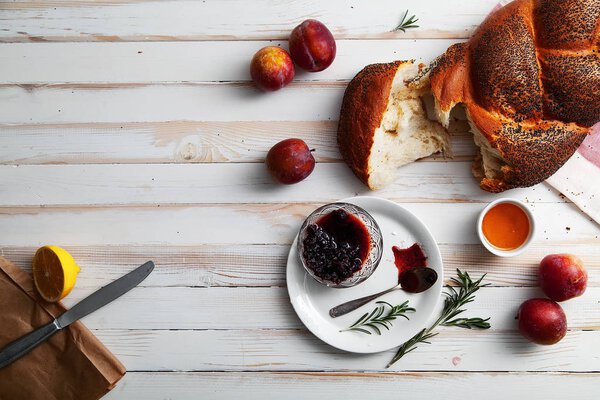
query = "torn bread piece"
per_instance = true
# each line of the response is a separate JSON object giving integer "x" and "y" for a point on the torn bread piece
{"x": 384, "y": 123}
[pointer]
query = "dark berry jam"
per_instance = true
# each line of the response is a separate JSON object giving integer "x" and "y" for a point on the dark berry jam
{"x": 336, "y": 246}
{"x": 405, "y": 259}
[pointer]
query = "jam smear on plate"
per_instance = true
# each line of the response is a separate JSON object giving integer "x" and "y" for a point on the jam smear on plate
{"x": 336, "y": 246}
{"x": 409, "y": 258}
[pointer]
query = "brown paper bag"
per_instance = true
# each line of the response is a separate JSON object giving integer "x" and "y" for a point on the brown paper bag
{"x": 72, "y": 364}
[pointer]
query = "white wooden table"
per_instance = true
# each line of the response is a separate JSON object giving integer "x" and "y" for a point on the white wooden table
{"x": 129, "y": 131}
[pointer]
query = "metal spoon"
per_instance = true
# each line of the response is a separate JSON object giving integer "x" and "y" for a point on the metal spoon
{"x": 414, "y": 280}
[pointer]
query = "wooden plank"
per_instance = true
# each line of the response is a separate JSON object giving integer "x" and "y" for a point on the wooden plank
{"x": 250, "y": 224}
{"x": 193, "y": 20}
{"x": 180, "y": 141}
{"x": 264, "y": 265}
{"x": 162, "y": 142}
{"x": 306, "y": 385}
{"x": 453, "y": 349}
{"x": 269, "y": 308}
{"x": 196, "y": 265}
{"x": 141, "y": 184}
{"x": 300, "y": 101}
{"x": 153, "y": 62}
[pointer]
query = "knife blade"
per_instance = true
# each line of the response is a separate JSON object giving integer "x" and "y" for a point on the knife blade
{"x": 93, "y": 302}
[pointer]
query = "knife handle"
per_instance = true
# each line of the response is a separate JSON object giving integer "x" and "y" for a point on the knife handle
{"x": 25, "y": 344}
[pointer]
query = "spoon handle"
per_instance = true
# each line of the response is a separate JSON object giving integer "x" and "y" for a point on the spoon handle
{"x": 352, "y": 305}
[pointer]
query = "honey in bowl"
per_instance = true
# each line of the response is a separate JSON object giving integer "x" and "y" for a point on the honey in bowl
{"x": 506, "y": 226}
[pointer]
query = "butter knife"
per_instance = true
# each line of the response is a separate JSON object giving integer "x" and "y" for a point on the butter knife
{"x": 94, "y": 301}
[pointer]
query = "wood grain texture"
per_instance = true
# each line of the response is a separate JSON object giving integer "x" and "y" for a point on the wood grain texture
{"x": 264, "y": 265}
{"x": 305, "y": 385}
{"x": 134, "y": 20}
{"x": 250, "y": 224}
{"x": 140, "y": 184}
{"x": 223, "y": 308}
{"x": 153, "y": 62}
{"x": 157, "y": 140}
{"x": 110, "y": 102}
{"x": 181, "y": 142}
{"x": 298, "y": 350}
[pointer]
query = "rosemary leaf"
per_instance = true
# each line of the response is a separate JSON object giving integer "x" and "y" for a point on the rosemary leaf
{"x": 361, "y": 320}
{"x": 453, "y": 303}
{"x": 379, "y": 318}
{"x": 407, "y": 23}
{"x": 469, "y": 323}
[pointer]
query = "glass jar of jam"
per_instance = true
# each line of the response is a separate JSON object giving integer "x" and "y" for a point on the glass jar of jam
{"x": 340, "y": 245}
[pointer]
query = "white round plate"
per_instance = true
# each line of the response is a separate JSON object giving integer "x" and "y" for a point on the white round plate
{"x": 312, "y": 300}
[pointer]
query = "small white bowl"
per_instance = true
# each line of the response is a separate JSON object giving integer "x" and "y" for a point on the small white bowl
{"x": 495, "y": 250}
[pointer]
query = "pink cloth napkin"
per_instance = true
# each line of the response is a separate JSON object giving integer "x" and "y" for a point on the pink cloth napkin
{"x": 579, "y": 178}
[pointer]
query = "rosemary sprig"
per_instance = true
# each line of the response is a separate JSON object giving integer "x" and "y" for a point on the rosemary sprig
{"x": 407, "y": 23}
{"x": 453, "y": 304}
{"x": 377, "y": 319}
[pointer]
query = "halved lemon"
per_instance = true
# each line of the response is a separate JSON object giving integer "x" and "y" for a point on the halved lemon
{"x": 54, "y": 272}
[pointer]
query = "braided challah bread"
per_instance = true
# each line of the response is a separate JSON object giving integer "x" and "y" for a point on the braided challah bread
{"x": 529, "y": 80}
